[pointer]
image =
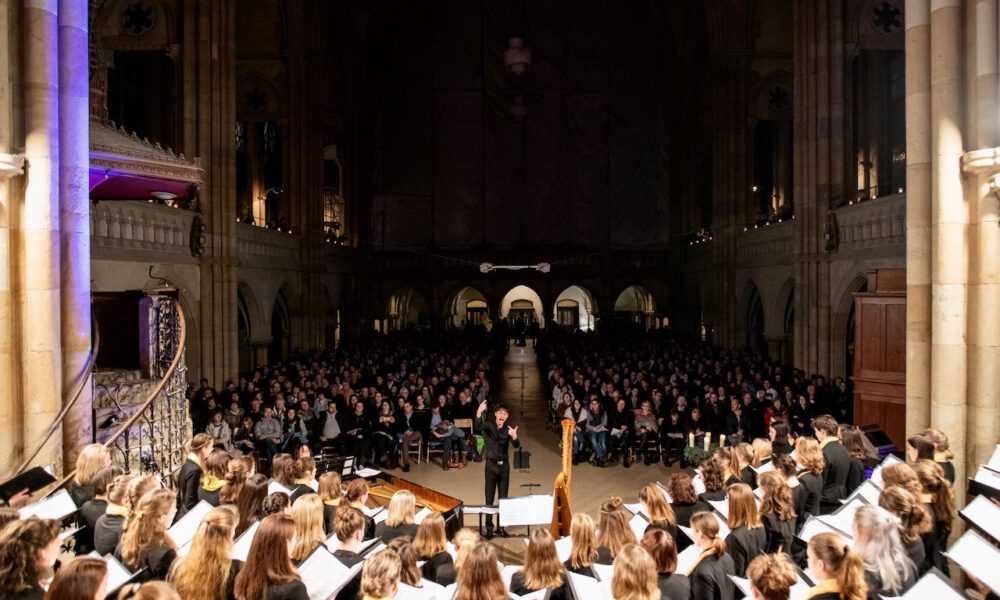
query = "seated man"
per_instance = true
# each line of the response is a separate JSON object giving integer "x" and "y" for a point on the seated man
{"x": 407, "y": 432}
{"x": 450, "y": 437}
{"x": 268, "y": 433}
{"x": 330, "y": 429}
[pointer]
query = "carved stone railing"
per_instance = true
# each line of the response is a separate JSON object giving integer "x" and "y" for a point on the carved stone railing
{"x": 140, "y": 226}
{"x": 872, "y": 223}
{"x": 275, "y": 248}
{"x": 776, "y": 240}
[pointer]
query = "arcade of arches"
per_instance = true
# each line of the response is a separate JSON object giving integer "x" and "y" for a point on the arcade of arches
{"x": 772, "y": 175}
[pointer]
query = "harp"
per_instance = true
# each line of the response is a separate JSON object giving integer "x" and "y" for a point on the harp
{"x": 561, "y": 514}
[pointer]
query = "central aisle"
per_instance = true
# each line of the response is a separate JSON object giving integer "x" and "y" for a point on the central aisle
{"x": 524, "y": 391}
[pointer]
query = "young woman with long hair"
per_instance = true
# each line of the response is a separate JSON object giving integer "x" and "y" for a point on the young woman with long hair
{"x": 685, "y": 503}
{"x": 145, "y": 543}
{"x": 762, "y": 452}
{"x": 431, "y": 545}
{"x": 237, "y": 472}
{"x": 250, "y": 502}
{"x": 269, "y": 573}
{"x": 810, "y": 457}
{"x": 635, "y": 575}
{"x": 108, "y": 528}
{"x": 542, "y": 569}
{"x": 410, "y": 573}
{"x": 275, "y": 503}
{"x": 613, "y": 531}
{"x": 747, "y": 538}
{"x": 785, "y": 467}
{"x": 903, "y": 475}
{"x": 914, "y": 520}
{"x": 584, "y": 550}
{"x": 355, "y": 496}
{"x": 207, "y": 572}
{"x": 663, "y": 550}
{"x": 307, "y": 513}
{"x": 863, "y": 455}
{"x": 280, "y": 471}
{"x": 919, "y": 447}
{"x": 654, "y": 502}
{"x": 709, "y": 575}
{"x": 716, "y": 477}
{"x": 189, "y": 476}
{"x": 465, "y": 539}
{"x": 728, "y": 458}
{"x": 151, "y": 590}
{"x": 939, "y": 499}
{"x": 888, "y": 572}
{"x": 92, "y": 510}
{"x": 213, "y": 479}
{"x": 838, "y": 571}
{"x": 92, "y": 458}
{"x": 330, "y": 493}
{"x": 400, "y": 519}
{"x": 380, "y": 577}
{"x": 942, "y": 452}
{"x": 83, "y": 578}
{"x": 771, "y": 577}
{"x": 781, "y": 438}
{"x": 479, "y": 577}
{"x": 28, "y": 552}
{"x": 777, "y": 513}
{"x": 744, "y": 457}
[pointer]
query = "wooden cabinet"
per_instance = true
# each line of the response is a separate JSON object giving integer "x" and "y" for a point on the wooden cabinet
{"x": 880, "y": 363}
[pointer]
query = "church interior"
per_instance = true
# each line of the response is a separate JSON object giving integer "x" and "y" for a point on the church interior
{"x": 590, "y": 254}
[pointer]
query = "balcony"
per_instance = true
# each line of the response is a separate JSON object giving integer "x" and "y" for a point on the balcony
{"x": 141, "y": 229}
{"x": 876, "y": 223}
{"x": 259, "y": 245}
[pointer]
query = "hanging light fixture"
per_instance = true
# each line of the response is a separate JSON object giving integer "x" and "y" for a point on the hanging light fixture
{"x": 517, "y": 57}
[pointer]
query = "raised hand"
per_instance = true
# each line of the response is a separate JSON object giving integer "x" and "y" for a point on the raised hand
{"x": 512, "y": 432}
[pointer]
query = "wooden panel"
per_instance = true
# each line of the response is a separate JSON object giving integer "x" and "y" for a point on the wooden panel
{"x": 880, "y": 363}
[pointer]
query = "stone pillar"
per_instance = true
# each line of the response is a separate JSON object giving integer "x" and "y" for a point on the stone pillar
{"x": 11, "y": 167}
{"x": 949, "y": 230}
{"x": 74, "y": 220}
{"x": 37, "y": 305}
{"x": 984, "y": 277}
{"x": 918, "y": 216}
{"x": 260, "y": 346}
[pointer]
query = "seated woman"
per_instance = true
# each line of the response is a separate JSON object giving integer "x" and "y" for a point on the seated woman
{"x": 381, "y": 575}
{"x": 542, "y": 569}
{"x": 613, "y": 531}
{"x": 268, "y": 572}
{"x": 771, "y": 577}
{"x": 145, "y": 544}
{"x": 663, "y": 550}
{"x": 214, "y": 477}
{"x": 635, "y": 575}
{"x": 207, "y": 571}
{"x": 584, "y": 550}
{"x": 400, "y": 519}
{"x": 28, "y": 552}
{"x": 747, "y": 538}
{"x": 621, "y": 425}
{"x": 711, "y": 571}
{"x": 431, "y": 545}
{"x": 838, "y": 570}
{"x": 479, "y": 577}
{"x": 888, "y": 571}
{"x": 647, "y": 433}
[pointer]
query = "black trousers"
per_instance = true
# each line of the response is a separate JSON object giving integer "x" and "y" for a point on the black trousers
{"x": 497, "y": 480}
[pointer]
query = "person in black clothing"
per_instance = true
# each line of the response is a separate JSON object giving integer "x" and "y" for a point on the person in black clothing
{"x": 672, "y": 437}
{"x": 621, "y": 423}
{"x": 349, "y": 526}
{"x": 28, "y": 552}
{"x": 92, "y": 510}
{"x": 145, "y": 543}
{"x": 190, "y": 473}
{"x": 268, "y": 572}
{"x": 837, "y": 463}
{"x": 497, "y": 437}
{"x": 358, "y": 435}
{"x": 663, "y": 550}
{"x": 771, "y": 576}
{"x": 863, "y": 455}
{"x": 777, "y": 513}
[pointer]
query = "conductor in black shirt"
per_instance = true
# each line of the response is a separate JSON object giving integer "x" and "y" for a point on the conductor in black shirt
{"x": 497, "y": 438}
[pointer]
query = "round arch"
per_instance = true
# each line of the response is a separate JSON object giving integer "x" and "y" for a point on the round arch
{"x": 635, "y": 305}
{"x": 523, "y": 303}
{"x": 468, "y": 305}
{"x": 575, "y": 308}
{"x": 407, "y": 309}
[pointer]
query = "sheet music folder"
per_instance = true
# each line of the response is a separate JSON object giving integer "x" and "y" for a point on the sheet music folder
{"x": 324, "y": 576}
{"x": 978, "y": 557}
{"x": 31, "y": 480}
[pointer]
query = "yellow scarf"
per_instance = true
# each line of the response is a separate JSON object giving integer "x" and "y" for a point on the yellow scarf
{"x": 941, "y": 457}
{"x": 116, "y": 510}
{"x": 213, "y": 483}
{"x": 824, "y": 587}
{"x": 334, "y": 502}
{"x": 828, "y": 440}
{"x": 927, "y": 498}
{"x": 702, "y": 557}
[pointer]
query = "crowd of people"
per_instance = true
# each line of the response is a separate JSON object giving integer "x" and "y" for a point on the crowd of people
{"x": 647, "y": 396}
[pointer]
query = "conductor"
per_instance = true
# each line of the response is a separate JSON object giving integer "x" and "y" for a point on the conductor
{"x": 496, "y": 438}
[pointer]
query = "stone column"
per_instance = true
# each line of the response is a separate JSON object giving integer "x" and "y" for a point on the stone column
{"x": 11, "y": 167}
{"x": 37, "y": 307}
{"x": 918, "y": 216}
{"x": 260, "y": 346}
{"x": 949, "y": 230}
{"x": 74, "y": 220}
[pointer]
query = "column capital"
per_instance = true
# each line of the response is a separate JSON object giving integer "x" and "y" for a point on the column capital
{"x": 11, "y": 165}
{"x": 984, "y": 162}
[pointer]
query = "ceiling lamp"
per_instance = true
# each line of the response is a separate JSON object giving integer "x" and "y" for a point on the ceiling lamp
{"x": 517, "y": 58}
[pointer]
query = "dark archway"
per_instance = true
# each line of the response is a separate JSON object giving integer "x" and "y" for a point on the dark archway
{"x": 280, "y": 330}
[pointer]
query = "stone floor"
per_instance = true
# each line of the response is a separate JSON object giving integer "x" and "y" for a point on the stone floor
{"x": 524, "y": 391}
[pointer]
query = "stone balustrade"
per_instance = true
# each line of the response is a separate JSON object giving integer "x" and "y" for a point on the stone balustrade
{"x": 140, "y": 226}
{"x": 873, "y": 223}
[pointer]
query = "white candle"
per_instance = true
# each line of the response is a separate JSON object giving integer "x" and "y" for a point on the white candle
{"x": 722, "y": 440}
{"x": 708, "y": 440}
{"x": 691, "y": 440}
